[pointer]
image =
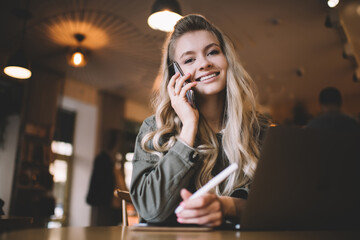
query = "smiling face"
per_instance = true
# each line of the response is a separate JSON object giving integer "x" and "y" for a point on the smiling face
{"x": 199, "y": 53}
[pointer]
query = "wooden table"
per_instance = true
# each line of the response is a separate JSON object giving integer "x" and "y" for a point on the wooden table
{"x": 121, "y": 233}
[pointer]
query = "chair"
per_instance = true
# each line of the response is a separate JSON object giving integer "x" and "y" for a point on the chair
{"x": 125, "y": 197}
{"x": 1, "y": 207}
{"x": 9, "y": 223}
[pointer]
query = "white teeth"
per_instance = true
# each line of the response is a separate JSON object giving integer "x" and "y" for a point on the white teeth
{"x": 207, "y": 77}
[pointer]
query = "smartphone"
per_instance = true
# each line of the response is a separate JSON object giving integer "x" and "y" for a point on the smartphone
{"x": 174, "y": 68}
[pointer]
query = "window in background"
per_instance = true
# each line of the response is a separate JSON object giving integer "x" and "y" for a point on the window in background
{"x": 61, "y": 167}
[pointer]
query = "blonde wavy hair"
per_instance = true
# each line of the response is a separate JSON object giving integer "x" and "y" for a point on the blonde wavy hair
{"x": 240, "y": 129}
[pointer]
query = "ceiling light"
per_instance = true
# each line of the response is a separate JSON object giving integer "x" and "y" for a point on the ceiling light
{"x": 333, "y": 3}
{"x": 78, "y": 58}
{"x": 18, "y": 66}
{"x": 164, "y": 15}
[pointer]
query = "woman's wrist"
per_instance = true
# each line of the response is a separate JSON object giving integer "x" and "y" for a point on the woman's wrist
{"x": 188, "y": 134}
{"x": 232, "y": 207}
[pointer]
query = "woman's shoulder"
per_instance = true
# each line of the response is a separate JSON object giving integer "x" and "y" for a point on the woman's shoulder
{"x": 150, "y": 120}
{"x": 149, "y": 123}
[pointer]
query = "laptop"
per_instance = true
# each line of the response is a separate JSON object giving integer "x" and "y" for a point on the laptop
{"x": 306, "y": 179}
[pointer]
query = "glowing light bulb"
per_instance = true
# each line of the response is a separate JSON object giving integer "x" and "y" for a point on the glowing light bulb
{"x": 163, "y": 20}
{"x": 333, "y": 3}
{"x": 77, "y": 58}
{"x": 17, "y": 72}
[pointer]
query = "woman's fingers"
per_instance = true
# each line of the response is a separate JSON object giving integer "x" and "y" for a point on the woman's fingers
{"x": 176, "y": 85}
{"x": 188, "y": 115}
{"x": 179, "y": 83}
{"x": 185, "y": 194}
{"x": 201, "y": 202}
{"x": 211, "y": 219}
{"x": 177, "y": 88}
{"x": 205, "y": 210}
{"x": 200, "y": 206}
{"x": 187, "y": 87}
{"x": 171, "y": 84}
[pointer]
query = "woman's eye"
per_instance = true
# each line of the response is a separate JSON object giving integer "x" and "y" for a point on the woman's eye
{"x": 188, "y": 60}
{"x": 213, "y": 52}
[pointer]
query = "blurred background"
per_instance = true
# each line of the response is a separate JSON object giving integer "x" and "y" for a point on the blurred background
{"x": 54, "y": 124}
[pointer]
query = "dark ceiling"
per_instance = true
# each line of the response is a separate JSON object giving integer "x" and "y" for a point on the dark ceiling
{"x": 284, "y": 44}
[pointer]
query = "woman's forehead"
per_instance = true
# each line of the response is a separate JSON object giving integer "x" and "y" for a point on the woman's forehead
{"x": 193, "y": 41}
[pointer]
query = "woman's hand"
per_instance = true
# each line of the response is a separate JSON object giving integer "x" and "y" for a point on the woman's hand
{"x": 187, "y": 114}
{"x": 205, "y": 210}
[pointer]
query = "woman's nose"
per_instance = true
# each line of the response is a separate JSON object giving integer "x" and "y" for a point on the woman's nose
{"x": 204, "y": 64}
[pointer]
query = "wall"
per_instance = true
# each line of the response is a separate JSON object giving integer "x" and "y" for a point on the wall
{"x": 282, "y": 112}
{"x": 136, "y": 112}
{"x": 38, "y": 112}
{"x": 81, "y": 91}
{"x": 7, "y": 160}
{"x": 84, "y": 154}
{"x": 44, "y": 89}
{"x": 350, "y": 106}
{"x": 111, "y": 116}
{"x": 96, "y": 112}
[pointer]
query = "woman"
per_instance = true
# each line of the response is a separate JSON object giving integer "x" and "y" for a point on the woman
{"x": 181, "y": 148}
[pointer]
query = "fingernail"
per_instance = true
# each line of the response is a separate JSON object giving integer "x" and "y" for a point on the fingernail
{"x": 179, "y": 220}
{"x": 182, "y": 204}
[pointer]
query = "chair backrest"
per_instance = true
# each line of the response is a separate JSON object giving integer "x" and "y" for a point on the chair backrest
{"x": 125, "y": 197}
{"x": 1, "y": 207}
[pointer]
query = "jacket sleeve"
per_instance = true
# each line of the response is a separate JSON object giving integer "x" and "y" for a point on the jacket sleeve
{"x": 156, "y": 182}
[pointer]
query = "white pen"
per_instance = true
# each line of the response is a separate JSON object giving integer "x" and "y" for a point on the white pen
{"x": 212, "y": 183}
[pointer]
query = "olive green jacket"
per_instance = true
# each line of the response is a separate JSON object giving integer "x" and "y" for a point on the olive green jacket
{"x": 156, "y": 182}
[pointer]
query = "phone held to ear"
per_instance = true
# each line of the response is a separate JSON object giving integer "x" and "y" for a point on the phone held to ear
{"x": 174, "y": 68}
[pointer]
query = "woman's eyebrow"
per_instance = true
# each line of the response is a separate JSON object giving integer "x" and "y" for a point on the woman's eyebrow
{"x": 205, "y": 49}
{"x": 186, "y": 53}
{"x": 211, "y": 45}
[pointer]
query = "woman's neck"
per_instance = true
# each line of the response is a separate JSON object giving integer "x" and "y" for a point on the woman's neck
{"x": 212, "y": 108}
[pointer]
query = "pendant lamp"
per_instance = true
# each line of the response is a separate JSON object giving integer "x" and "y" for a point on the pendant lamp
{"x": 18, "y": 65}
{"x": 78, "y": 58}
{"x": 164, "y": 15}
